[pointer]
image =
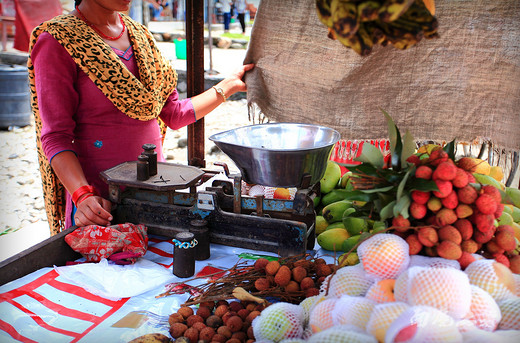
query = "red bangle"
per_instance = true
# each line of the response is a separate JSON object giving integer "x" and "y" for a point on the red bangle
{"x": 81, "y": 191}
{"x": 84, "y": 198}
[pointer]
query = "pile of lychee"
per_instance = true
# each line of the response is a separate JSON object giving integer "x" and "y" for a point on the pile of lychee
{"x": 299, "y": 279}
{"x": 458, "y": 219}
{"x": 215, "y": 321}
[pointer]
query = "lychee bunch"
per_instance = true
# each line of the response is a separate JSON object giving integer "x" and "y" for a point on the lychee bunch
{"x": 457, "y": 219}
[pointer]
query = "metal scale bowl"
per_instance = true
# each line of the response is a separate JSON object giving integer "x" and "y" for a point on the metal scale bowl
{"x": 170, "y": 200}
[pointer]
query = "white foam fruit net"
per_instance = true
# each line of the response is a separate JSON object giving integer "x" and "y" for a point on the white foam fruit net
{"x": 384, "y": 256}
{"x": 499, "y": 336}
{"x": 493, "y": 277}
{"x": 308, "y": 304}
{"x": 382, "y": 291}
{"x": 517, "y": 284}
{"x": 383, "y": 315}
{"x": 352, "y": 311}
{"x": 445, "y": 289}
{"x": 510, "y": 309}
{"x": 401, "y": 287}
{"x": 277, "y": 322}
{"x": 484, "y": 311}
{"x": 427, "y": 261}
{"x": 320, "y": 317}
{"x": 342, "y": 334}
{"x": 423, "y": 324}
{"x": 349, "y": 280}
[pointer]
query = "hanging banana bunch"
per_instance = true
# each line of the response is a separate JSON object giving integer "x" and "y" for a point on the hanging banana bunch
{"x": 362, "y": 24}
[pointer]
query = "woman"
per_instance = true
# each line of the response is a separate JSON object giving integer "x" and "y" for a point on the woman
{"x": 100, "y": 90}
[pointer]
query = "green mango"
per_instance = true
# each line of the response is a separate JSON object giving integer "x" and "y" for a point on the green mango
{"x": 345, "y": 180}
{"x": 321, "y": 224}
{"x": 334, "y": 196}
{"x": 516, "y": 214}
{"x": 355, "y": 225}
{"x": 488, "y": 180}
{"x": 334, "y": 212}
{"x": 505, "y": 219}
{"x": 332, "y": 239}
{"x": 347, "y": 259}
{"x": 331, "y": 177}
{"x": 350, "y": 243}
{"x": 378, "y": 226}
{"x": 514, "y": 195}
{"x": 336, "y": 225}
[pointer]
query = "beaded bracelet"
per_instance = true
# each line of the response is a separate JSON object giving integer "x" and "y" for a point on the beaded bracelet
{"x": 81, "y": 191}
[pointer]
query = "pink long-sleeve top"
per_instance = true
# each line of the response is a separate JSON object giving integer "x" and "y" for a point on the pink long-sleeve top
{"x": 76, "y": 116}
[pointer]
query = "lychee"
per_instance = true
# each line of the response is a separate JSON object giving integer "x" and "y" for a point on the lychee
{"x": 463, "y": 211}
{"x": 467, "y": 195}
{"x": 283, "y": 276}
{"x": 514, "y": 264}
{"x": 483, "y": 237}
{"x": 261, "y": 263}
{"x": 451, "y": 201}
{"x": 418, "y": 211}
{"x": 449, "y": 233}
{"x": 502, "y": 259}
{"x": 471, "y": 178}
{"x": 423, "y": 172}
{"x": 493, "y": 248}
{"x": 446, "y": 216}
{"x": 461, "y": 178}
{"x": 465, "y": 228}
{"x": 438, "y": 156}
{"x": 465, "y": 259}
{"x": 414, "y": 243}
{"x": 272, "y": 267}
{"x": 298, "y": 273}
{"x": 445, "y": 171}
{"x": 505, "y": 240}
{"x": 469, "y": 246}
{"x": 400, "y": 223}
{"x": 414, "y": 159}
{"x": 420, "y": 197}
{"x": 449, "y": 250}
{"x": 427, "y": 236}
{"x": 483, "y": 222}
{"x": 499, "y": 211}
{"x": 434, "y": 204}
{"x": 262, "y": 284}
{"x": 306, "y": 283}
{"x": 444, "y": 188}
{"x": 486, "y": 204}
{"x": 493, "y": 191}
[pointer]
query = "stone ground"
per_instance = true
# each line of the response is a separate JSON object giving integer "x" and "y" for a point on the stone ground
{"x": 23, "y": 221}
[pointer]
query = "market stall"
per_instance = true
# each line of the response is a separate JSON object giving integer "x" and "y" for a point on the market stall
{"x": 415, "y": 241}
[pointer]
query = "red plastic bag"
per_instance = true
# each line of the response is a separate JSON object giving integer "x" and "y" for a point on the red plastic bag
{"x": 125, "y": 242}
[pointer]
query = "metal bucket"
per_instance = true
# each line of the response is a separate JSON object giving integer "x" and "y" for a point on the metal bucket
{"x": 278, "y": 154}
{"x": 15, "y": 102}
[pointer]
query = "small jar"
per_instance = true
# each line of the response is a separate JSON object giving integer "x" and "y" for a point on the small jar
{"x": 184, "y": 255}
{"x": 200, "y": 229}
{"x": 143, "y": 172}
{"x": 149, "y": 150}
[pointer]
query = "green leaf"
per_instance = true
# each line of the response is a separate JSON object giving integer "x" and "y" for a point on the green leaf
{"x": 422, "y": 185}
{"x": 408, "y": 147}
{"x": 402, "y": 205}
{"x": 396, "y": 145}
{"x": 450, "y": 149}
{"x": 372, "y": 155}
{"x": 387, "y": 211}
{"x": 400, "y": 189}
{"x": 378, "y": 190}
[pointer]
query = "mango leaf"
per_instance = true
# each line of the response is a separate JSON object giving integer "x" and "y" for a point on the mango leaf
{"x": 358, "y": 195}
{"x": 371, "y": 154}
{"x": 364, "y": 168}
{"x": 408, "y": 147}
{"x": 396, "y": 145}
{"x": 378, "y": 190}
{"x": 422, "y": 185}
{"x": 402, "y": 205}
{"x": 387, "y": 211}
{"x": 400, "y": 189}
{"x": 450, "y": 149}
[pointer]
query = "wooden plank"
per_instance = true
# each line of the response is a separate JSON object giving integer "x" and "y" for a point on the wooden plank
{"x": 52, "y": 251}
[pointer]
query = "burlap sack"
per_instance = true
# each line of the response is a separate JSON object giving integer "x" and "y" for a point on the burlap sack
{"x": 464, "y": 85}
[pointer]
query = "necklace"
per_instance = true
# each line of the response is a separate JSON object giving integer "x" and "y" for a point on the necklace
{"x": 99, "y": 31}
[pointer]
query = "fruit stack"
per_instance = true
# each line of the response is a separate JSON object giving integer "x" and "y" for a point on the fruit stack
{"x": 362, "y": 24}
{"x": 391, "y": 296}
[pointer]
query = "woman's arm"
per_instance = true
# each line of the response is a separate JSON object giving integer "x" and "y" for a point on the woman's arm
{"x": 206, "y": 102}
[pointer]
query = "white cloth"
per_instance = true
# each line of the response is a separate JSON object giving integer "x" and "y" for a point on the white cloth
{"x": 240, "y": 6}
{"x": 226, "y": 6}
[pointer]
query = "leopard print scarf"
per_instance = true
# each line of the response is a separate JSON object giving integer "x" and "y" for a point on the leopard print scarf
{"x": 141, "y": 99}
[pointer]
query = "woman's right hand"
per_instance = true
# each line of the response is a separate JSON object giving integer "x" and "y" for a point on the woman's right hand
{"x": 94, "y": 210}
